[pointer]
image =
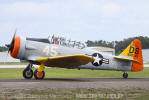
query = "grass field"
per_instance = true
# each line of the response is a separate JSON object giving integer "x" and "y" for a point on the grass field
{"x": 70, "y": 93}
{"x": 73, "y": 73}
{"x": 74, "y": 94}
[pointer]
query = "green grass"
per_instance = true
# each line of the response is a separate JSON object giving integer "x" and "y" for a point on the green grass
{"x": 14, "y": 63}
{"x": 73, "y": 73}
{"x": 128, "y": 93}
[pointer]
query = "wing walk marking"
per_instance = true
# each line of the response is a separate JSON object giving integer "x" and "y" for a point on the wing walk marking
{"x": 66, "y": 61}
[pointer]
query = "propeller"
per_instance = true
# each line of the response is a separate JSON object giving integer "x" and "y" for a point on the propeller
{"x": 11, "y": 45}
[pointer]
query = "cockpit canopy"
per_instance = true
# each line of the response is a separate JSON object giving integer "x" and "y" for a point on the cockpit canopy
{"x": 59, "y": 41}
{"x": 69, "y": 43}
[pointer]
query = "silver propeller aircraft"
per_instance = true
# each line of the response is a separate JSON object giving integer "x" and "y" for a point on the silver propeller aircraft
{"x": 59, "y": 52}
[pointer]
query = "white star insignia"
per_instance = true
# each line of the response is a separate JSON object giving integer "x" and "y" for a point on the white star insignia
{"x": 97, "y": 59}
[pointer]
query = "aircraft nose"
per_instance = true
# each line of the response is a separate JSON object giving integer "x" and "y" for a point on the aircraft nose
{"x": 14, "y": 47}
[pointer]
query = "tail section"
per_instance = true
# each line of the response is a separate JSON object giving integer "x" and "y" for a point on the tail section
{"x": 134, "y": 52}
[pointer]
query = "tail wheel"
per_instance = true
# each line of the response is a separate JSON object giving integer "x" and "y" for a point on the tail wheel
{"x": 28, "y": 73}
{"x": 125, "y": 75}
{"x": 39, "y": 75}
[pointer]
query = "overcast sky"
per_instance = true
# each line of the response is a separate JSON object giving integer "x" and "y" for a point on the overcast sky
{"x": 76, "y": 19}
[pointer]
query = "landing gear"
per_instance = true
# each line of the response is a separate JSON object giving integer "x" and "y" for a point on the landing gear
{"x": 125, "y": 75}
{"x": 39, "y": 75}
{"x": 28, "y": 72}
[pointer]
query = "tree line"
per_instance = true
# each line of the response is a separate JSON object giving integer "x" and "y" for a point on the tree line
{"x": 119, "y": 45}
{"x": 3, "y": 48}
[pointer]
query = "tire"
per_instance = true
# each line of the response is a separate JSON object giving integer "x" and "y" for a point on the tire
{"x": 37, "y": 77}
{"x": 27, "y": 73}
{"x": 125, "y": 75}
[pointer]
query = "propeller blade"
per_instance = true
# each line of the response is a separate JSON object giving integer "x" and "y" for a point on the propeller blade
{"x": 7, "y": 45}
{"x": 14, "y": 36}
{"x": 11, "y": 45}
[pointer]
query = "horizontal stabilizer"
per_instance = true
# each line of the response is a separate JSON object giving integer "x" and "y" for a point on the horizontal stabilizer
{"x": 127, "y": 59}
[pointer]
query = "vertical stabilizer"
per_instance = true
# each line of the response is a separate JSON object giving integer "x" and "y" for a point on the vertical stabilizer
{"x": 134, "y": 52}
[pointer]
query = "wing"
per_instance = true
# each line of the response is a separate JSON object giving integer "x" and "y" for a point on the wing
{"x": 66, "y": 61}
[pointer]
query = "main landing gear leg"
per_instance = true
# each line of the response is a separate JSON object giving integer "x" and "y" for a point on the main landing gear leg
{"x": 39, "y": 73}
{"x": 125, "y": 75}
{"x": 28, "y": 72}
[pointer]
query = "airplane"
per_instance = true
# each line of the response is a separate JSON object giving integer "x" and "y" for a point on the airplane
{"x": 62, "y": 53}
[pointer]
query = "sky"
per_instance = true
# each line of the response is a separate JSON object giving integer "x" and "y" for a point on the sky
{"x": 79, "y": 20}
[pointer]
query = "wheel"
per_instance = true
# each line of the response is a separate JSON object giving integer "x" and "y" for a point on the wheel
{"x": 125, "y": 75}
{"x": 39, "y": 75}
{"x": 27, "y": 73}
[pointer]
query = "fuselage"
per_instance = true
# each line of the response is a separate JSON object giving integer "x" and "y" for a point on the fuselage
{"x": 62, "y": 53}
{"x": 30, "y": 50}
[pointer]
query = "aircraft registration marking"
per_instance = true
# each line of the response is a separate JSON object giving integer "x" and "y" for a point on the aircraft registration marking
{"x": 50, "y": 50}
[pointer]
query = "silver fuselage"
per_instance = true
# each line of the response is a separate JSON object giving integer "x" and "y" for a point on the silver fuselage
{"x": 31, "y": 50}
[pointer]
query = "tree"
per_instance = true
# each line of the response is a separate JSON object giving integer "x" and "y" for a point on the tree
{"x": 2, "y": 48}
{"x": 120, "y": 45}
